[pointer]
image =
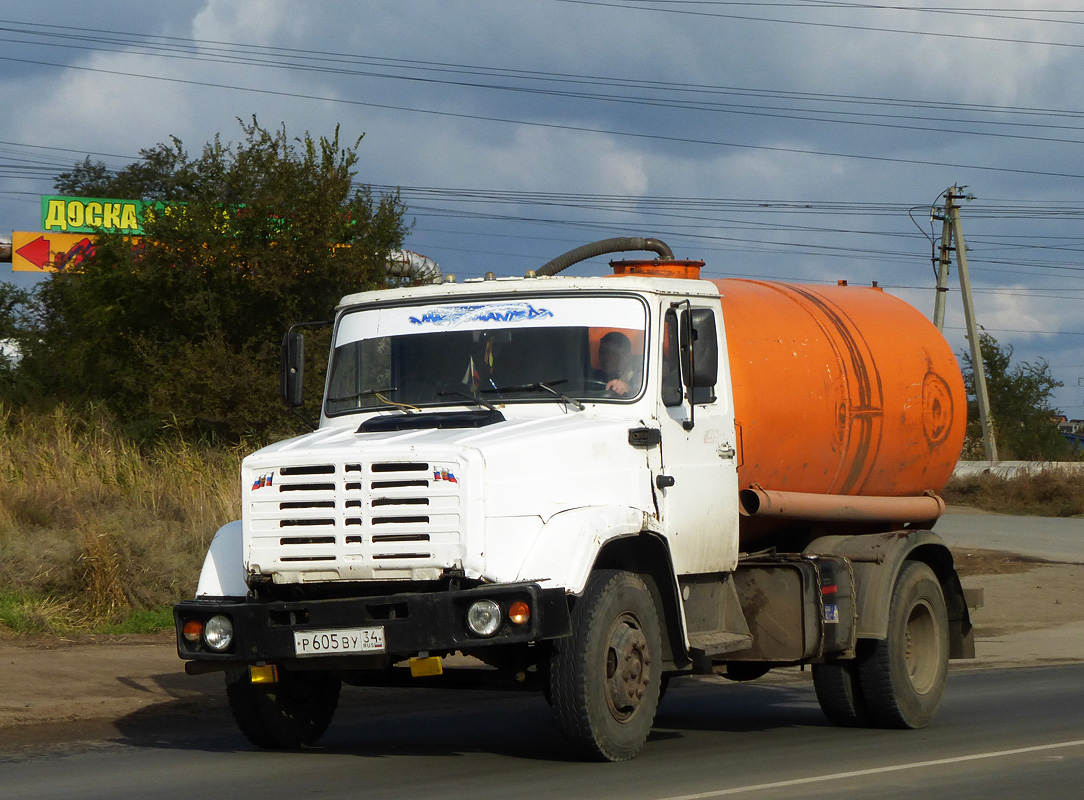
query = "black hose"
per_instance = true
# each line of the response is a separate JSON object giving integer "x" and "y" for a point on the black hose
{"x": 617, "y": 245}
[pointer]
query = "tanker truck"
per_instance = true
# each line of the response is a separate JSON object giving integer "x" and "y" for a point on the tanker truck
{"x": 585, "y": 486}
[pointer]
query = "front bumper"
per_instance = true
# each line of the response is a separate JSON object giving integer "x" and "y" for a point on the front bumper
{"x": 413, "y": 623}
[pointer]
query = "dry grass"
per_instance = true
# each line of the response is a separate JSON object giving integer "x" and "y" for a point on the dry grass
{"x": 1047, "y": 494}
{"x": 93, "y": 527}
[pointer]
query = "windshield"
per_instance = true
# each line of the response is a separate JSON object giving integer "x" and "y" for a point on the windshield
{"x": 538, "y": 349}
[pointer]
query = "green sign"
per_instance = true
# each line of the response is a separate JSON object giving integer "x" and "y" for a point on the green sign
{"x": 91, "y": 214}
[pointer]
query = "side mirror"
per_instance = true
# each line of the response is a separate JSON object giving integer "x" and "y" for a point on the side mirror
{"x": 293, "y": 368}
{"x": 698, "y": 324}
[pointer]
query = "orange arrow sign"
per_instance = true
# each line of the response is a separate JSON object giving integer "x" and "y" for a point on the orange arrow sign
{"x": 49, "y": 252}
{"x": 35, "y": 252}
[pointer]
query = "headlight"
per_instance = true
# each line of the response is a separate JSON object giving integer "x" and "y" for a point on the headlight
{"x": 218, "y": 633}
{"x": 484, "y": 617}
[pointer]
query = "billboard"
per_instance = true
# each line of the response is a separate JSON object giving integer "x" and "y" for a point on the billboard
{"x": 91, "y": 215}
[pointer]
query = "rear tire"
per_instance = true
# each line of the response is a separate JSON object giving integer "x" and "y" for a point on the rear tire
{"x": 839, "y": 693}
{"x": 292, "y": 713}
{"x": 605, "y": 678}
{"x": 903, "y": 677}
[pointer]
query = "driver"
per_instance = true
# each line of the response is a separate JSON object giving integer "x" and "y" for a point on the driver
{"x": 616, "y": 367}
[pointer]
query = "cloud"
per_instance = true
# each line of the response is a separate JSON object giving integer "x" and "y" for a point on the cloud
{"x": 759, "y": 78}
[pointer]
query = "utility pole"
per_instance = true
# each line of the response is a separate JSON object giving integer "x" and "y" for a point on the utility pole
{"x": 952, "y": 232}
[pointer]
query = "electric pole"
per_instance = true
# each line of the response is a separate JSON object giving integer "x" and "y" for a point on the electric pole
{"x": 952, "y": 241}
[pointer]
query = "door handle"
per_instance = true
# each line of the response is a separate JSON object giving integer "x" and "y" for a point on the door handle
{"x": 664, "y": 481}
{"x": 726, "y": 452}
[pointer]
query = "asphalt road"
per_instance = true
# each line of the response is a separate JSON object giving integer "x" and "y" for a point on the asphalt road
{"x": 1000, "y": 734}
{"x": 1048, "y": 538}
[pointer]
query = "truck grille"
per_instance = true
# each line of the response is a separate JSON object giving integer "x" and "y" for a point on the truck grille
{"x": 355, "y": 518}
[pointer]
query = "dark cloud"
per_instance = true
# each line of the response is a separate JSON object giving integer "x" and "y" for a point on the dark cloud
{"x": 819, "y": 128}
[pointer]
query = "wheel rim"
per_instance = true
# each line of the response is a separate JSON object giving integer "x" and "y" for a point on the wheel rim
{"x": 922, "y": 646}
{"x": 628, "y": 661}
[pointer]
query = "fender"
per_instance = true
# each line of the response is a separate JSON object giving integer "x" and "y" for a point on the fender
{"x": 223, "y": 573}
{"x": 877, "y": 560}
{"x": 569, "y": 543}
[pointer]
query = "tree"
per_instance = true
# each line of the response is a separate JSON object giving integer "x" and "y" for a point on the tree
{"x": 12, "y": 307}
{"x": 183, "y": 327}
{"x": 159, "y": 174}
{"x": 1020, "y": 405}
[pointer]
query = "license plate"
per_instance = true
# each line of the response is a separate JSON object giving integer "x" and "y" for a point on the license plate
{"x": 340, "y": 640}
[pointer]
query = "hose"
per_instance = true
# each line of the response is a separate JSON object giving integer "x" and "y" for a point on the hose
{"x": 616, "y": 245}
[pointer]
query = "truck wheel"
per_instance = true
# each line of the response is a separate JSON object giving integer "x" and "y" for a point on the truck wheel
{"x": 294, "y": 712}
{"x": 839, "y": 693}
{"x": 903, "y": 676}
{"x": 605, "y": 678}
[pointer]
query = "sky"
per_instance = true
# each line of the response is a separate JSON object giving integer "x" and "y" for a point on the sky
{"x": 802, "y": 140}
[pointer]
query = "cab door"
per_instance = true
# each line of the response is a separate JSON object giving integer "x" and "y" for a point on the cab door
{"x": 695, "y": 473}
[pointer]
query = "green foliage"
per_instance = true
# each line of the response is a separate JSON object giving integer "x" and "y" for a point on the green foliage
{"x": 140, "y": 621}
{"x": 1020, "y": 403}
{"x": 160, "y": 174}
{"x": 183, "y": 329}
{"x": 35, "y": 614}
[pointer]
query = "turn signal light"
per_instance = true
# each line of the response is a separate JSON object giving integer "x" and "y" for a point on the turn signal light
{"x": 193, "y": 630}
{"x": 519, "y": 613}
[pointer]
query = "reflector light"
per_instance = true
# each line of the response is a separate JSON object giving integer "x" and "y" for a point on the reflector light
{"x": 519, "y": 613}
{"x": 265, "y": 673}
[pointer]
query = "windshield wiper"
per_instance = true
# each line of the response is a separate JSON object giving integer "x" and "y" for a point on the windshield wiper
{"x": 541, "y": 386}
{"x": 359, "y": 395}
{"x": 379, "y": 395}
{"x": 476, "y": 400}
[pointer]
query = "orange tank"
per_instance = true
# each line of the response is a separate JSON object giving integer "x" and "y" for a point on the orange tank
{"x": 840, "y": 390}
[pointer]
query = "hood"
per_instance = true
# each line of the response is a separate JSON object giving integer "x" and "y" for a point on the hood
{"x": 534, "y": 466}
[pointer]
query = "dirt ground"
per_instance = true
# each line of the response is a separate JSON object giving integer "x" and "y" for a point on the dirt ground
{"x": 56, "y": 689}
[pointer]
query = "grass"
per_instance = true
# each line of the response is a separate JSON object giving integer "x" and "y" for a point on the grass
{"x": 98, "y": 533}
{"x": 1045, "y": 494}
{"x": 101, "y": 535}
{"x": 30, "y": 614}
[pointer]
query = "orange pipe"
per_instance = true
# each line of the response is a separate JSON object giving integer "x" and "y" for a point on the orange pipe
{"x": 757, "y": 502}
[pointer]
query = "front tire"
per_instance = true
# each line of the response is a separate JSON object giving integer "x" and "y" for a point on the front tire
{"x": 605, "y": 679}
{"x": 294, "y": 712}
{"x": 903, "y": 677}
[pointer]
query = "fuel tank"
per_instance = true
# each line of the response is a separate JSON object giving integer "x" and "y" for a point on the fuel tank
{"x": 840, "y": 390}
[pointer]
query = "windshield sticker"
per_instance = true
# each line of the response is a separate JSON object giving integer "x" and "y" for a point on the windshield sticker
{"x": 512, "y": 313}
{"x": 453, "y": 316}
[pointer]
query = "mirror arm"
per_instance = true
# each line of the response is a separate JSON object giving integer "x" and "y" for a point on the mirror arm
{"x": 690, "y": 393}
{"x": 303, "y": 418}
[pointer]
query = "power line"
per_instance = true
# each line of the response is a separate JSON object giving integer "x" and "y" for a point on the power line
{"x": 562, "y": 127}
{"x": 239, "y": 53}
{"x": 640, "y": 6}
